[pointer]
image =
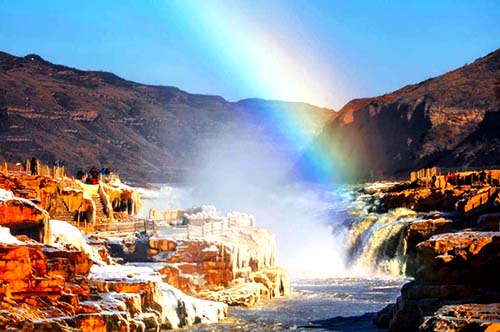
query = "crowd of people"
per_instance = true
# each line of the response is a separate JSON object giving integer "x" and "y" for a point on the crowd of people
{"x": 93, "y": 175}
{"x": 472, "y": 178}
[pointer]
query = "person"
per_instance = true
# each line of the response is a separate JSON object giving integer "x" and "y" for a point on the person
{"x": 433, "y": 181}
{"x": 453, "y": 178}
{"x": 34, "y": 166}
{"x": 80, "y": 174}
{"x": 482, "y": 176}
{"x": 94, "y": 175}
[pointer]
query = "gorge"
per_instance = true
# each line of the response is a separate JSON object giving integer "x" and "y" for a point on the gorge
{"x": 339, "y": 241}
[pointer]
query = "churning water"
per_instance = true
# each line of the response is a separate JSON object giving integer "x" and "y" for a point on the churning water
{"x": 343, "y": 259}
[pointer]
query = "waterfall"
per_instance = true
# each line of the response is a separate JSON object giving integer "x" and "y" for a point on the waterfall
{"x": 375, "y": 242}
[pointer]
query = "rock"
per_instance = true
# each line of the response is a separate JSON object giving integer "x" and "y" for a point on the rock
{"x": 476, "y": 200}
{"x": 384, "y": 316}
{"x": 23, "y": 270}
{"x": 419, "y": 231}
{"x": 22, "y": 216}
{"x": 454, "y": 268}
{"x": 47, "y": 288}
{"x": 422, "y": 199}
{"x": 407, "y": 316}
{"x": 489, "y": 222}
{"x": 40, "y": 188}
{"x": 175, "y": 309}
{"x": 122, "y": 198}
{"x": 460, "y": 258}
{"x": 464, "y": 317}
{"x": 236, "y": 265}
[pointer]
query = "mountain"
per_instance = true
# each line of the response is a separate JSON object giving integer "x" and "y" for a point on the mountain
{"x": 146, "y": 133}
{"x": 451, "y": 121}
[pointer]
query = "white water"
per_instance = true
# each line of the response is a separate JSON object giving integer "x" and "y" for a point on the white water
{"x": 320, "y": 231}
{"x": 337, "y": 253}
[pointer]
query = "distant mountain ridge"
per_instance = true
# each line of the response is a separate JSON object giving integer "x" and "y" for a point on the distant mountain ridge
{"x": 147, "y": 133}
{"x": 452, "y": 120}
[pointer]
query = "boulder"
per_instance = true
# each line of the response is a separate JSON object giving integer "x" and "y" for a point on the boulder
{"x": 419, "y": 231}
{"x": 464, "y": 317}
{"x": 460, "y": 258}
{"x": 453, "y": 268}
{"x": 23, "y": 217}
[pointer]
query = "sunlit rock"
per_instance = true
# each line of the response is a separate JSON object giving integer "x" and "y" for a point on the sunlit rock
{"x": 230, "y": 260}
{"x": 464, "y": 317}
{"x": 42, "y": 189}
{"x": 22, "y": 216}
{"x": 453, "y": 268}
{"x": 122, "y": 198}
{"x": 465, "y": 257}
{"x": 174, "y": 308}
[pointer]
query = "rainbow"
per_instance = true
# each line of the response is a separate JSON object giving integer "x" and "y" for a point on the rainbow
{"x": 262, "y": 58}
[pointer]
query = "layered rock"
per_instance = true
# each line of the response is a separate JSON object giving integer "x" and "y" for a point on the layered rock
{"x": 454, "y": 268}
{"x": 422, "y": 199}
{"x": 240, "y": 262}
{"x": 419, "y": 231}
{"x": 22, "y": 216}
{"x": 142, "y": 290}
{"x": 48, "y": 288}
{"x": 465, "y": 317}
{"x": 219, "y": 258}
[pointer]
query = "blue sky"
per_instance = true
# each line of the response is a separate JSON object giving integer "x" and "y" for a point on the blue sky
{"x": 322, "y": 52}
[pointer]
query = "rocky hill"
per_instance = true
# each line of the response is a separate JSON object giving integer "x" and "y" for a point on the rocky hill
{"x": 146, "y": 133}
{"x": 452, "y": 120}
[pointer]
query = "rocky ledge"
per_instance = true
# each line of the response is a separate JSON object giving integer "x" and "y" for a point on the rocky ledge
{"x": 68, "y": 286}
{"x": 455, "y": 262}
{"x": 219, "y": 258}
{"x": 53, "y": 278}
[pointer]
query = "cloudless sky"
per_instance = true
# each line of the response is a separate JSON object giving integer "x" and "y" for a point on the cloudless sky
{"x": 324, "y": 52}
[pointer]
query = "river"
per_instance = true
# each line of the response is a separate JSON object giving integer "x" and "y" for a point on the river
{"x": 342, "y": 258}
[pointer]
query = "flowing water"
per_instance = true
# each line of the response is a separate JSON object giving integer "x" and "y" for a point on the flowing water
{"x": 343, "y": 259}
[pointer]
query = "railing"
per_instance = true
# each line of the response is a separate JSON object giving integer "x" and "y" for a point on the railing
{"x": 146, "y": 226}
{"x": 165, "y": 215}
{"x": 159, "y": 229}
{"x": 215, "y": 228}
{"x": 469, "y": 176}
{"x": 424, "y": 174}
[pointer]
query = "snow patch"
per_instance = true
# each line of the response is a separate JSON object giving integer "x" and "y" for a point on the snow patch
{"x": 65, "y": 235}
{"x": 7, "y": 238}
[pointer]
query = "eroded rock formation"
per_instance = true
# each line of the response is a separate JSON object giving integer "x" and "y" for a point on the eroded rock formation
{"x": 46, "y": 288}
{"x": 219, "y": 258}
{"x": 453, "y": 268}
{"x": 22, "y": 216}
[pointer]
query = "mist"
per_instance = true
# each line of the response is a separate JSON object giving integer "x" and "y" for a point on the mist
{"x": 252, "y": 175}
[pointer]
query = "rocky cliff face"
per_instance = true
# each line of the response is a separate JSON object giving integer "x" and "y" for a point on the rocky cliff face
{"x": 88, "y": 118}
{"x": 455, "y": 287}
{"x": 450, "y": 120}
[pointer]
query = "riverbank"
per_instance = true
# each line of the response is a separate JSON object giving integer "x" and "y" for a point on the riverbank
{"x": 399, "y": 228}
{"x": 55, "y": 278}
{"x": 452, "y": 251}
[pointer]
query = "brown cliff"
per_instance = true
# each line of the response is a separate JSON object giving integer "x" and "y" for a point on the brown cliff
{"x": 450, "y": 120}
{"x": 456, "y": 270}
{"x": 146, "y": 133}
